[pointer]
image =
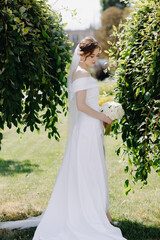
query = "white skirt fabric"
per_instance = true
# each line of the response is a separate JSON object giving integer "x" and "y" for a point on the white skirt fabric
{"x": 80, "y": 199}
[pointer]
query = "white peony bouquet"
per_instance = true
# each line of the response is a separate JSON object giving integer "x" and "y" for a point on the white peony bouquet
{"x": 114, "y": 111}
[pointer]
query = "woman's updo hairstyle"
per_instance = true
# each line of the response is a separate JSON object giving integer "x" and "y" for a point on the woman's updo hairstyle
{"x": 87, "y": 45}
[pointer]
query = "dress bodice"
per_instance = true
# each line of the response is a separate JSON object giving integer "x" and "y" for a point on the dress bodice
{"x": 92, "y": 93}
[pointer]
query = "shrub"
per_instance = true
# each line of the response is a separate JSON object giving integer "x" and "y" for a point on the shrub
{"x": 34, "y": 53}
{"x": 138, "y": 79}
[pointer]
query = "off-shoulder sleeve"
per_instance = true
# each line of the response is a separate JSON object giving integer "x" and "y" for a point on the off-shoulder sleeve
{"x": 83, "y": 83}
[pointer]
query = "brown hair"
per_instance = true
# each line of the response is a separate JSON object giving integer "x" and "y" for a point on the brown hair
{"x": 87, "y": 45}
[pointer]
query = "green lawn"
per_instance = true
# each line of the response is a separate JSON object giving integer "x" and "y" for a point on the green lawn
{"x": 28, "y": 168}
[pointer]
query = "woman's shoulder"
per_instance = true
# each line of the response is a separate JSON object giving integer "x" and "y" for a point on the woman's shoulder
{"x": 80, "y": 73}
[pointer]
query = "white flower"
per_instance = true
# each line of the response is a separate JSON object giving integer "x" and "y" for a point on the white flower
{"x": 113, "y": 110}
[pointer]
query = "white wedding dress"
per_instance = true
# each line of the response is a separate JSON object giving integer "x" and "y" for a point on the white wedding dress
{"x": 80, "y": 199}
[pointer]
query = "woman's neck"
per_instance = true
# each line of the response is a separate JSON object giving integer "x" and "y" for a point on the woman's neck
{"x": 84, "y": 66}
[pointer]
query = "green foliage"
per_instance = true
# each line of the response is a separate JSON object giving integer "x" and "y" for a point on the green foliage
{"x": 138, "y": 78}
{"x": 109, "y": 3}
{"x": 34, "y": 54}
{"x": 110, "y": 17}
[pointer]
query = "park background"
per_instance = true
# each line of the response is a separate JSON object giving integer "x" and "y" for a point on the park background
{"x": 30, "y": 162}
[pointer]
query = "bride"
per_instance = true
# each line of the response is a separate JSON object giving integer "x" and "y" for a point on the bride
{"x": 78, "y": 207}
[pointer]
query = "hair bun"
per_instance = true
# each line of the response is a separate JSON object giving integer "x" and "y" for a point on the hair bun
{"x": 87, "y": 45}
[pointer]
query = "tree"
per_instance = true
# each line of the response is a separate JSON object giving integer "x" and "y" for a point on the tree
{"x": 34, "y": 54}
{"x": 138, "y": 79}
{"x": 110, "y": 17}
{"x": 110, "y": 3}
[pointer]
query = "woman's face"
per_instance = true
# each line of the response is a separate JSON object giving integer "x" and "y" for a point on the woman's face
{"x": 91, "y": 60}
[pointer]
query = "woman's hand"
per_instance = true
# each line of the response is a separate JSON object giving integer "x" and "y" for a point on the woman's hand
{"x": 107, "y": 119}
{"x": 105, "y": 125}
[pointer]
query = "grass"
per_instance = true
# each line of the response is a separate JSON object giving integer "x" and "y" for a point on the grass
{"x": 106, "y": 91}
{"x": 29, "y": 165}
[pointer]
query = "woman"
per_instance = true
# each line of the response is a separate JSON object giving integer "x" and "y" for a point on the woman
{"x": 79, "y": 202}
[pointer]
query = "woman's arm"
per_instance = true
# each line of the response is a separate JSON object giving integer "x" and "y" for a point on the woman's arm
{"x": 83, "y": 107}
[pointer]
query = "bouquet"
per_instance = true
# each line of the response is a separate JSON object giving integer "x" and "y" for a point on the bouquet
{"x": 114, "y": 111}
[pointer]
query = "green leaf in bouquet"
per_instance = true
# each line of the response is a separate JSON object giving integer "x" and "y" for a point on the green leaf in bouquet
{"x": 107, "y": 129}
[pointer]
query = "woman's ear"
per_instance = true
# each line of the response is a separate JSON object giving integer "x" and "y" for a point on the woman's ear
{"x": 82, "y": 58}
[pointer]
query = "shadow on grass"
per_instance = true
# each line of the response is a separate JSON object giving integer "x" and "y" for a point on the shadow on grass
{"x": 131, "y": 231}
{"x": 138, "y": 231}
{"x": 26, "y": 234}
{"x": 11, "y": 167}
